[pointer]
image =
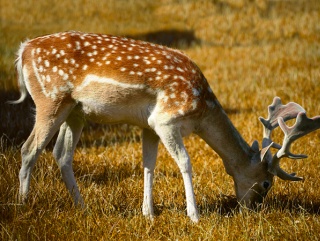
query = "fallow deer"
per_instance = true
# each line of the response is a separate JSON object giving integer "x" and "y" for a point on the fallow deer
{"x": 74, "y": 76}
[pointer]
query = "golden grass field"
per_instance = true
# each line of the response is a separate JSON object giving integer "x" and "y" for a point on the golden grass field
{"x": 249, "y": 50}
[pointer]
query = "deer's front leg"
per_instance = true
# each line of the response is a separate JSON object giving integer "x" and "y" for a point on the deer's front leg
{"x": 150, "y": 143}
{"x": 171, "y": 137}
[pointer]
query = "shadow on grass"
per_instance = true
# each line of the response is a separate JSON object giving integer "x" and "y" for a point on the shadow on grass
{"x": 283, "y": 203}
{"x": 106, "y": 173}
{"x": 228, "y": 206}
{"x": 181, "y": 39}
{"x": 16, "y": 120}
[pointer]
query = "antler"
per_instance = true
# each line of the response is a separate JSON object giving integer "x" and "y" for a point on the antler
{"x": 278, "y": 114}
{"x": 302, "y": 127}
{"x": 276, "y": 110}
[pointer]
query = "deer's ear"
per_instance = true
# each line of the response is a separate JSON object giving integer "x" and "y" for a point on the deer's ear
{"x": 259, "y": 155}
{"x": 255, "y": 146}
{"x": 264, "y": 151}
{"x": 255, "y": 152}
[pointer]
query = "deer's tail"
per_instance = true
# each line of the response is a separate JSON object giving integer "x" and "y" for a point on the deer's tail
{"x": 21, "y": 77}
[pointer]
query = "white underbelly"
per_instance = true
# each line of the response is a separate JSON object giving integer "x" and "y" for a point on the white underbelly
{"x": 105, "y": 112}
{"x": 104, "y": 100}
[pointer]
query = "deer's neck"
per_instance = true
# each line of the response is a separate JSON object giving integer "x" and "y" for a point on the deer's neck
{"x": 222, "y": 136}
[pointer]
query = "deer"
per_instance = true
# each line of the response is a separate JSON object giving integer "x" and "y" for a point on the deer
{"x": 73, "y": 77}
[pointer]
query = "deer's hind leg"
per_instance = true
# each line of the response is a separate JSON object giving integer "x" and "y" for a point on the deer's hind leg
{"x": 63, "y": 152}
{"x": 47, "y": 123}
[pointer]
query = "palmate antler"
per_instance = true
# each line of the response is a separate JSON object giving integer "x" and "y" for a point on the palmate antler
{"x": 278, "y": 114}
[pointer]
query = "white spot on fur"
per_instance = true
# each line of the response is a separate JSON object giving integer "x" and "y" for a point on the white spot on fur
{"x": 194, "y": 104}
{"x": 181, "y": 112}
{"x": 184, "y": 96}
{"x": 47, "y": 63}
{"x": 65, "y": 76}
{"x": 78, "y": 47}
{"x": 48, "y": 78}
{"x": 195, "y": 92}
{"x": 61, "y": 72}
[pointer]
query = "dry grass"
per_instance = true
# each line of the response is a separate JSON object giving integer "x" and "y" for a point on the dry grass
{"x": 250, "y": 51}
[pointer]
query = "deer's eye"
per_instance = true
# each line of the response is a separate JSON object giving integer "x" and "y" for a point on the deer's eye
{"x": 266, "y": 184}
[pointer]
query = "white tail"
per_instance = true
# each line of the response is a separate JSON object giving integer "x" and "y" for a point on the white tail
{"x": 22, "y": 85}
{"x": 74, "y": 76}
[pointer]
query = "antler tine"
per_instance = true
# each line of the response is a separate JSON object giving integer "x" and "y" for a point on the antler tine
{"x": 302, "y": 127}
{"x": 276, "y": 110}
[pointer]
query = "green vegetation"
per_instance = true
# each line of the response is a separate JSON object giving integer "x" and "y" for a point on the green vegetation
{"x": 249, "y": 50}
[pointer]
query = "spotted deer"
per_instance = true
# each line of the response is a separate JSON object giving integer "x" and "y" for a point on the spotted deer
{"x": 74, "y": 76}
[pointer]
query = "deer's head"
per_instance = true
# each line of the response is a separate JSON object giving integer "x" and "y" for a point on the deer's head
{"x": 253, "y": 181}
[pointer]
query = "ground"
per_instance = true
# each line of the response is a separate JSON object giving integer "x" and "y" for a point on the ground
{"x": 250, "y": 51}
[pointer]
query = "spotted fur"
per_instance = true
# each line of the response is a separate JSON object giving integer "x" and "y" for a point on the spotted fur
{"x": 64, "y": 62}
